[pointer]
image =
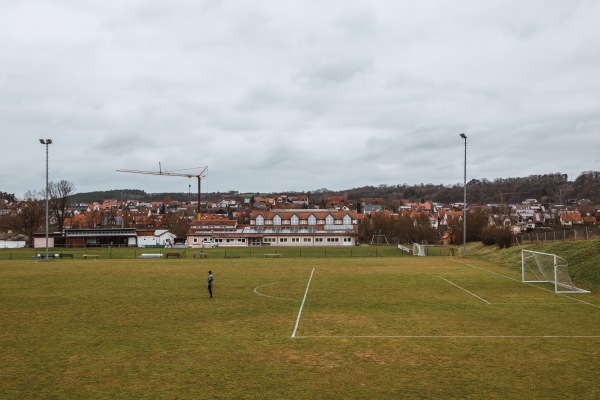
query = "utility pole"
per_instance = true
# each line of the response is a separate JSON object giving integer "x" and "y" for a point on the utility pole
{"x": 462, "y": 135}
{"x": 46, "y": 142}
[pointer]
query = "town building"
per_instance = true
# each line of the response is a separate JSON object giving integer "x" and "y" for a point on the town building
{"x": 289, "y": 227}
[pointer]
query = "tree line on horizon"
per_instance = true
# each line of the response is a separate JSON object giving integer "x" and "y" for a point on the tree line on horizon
{"x": 552, "y": 188}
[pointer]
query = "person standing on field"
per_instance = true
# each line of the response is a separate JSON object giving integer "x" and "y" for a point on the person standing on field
{"x": 209, "y": 283}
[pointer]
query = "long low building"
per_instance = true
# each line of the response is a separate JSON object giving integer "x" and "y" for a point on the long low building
{"x": 91, "y": 237}
{"x": 278, "y": 228}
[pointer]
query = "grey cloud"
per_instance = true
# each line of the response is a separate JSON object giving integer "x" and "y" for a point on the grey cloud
{"x": 297, "y": 95}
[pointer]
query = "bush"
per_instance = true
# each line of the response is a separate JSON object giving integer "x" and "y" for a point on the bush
{"x": 504, "y": 238}
{"x": 501, "y": 237}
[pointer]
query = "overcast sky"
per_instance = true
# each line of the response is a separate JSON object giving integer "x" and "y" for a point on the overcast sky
{"x": 278, "y": 96}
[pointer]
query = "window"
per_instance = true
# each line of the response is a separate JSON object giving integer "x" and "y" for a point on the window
{"x": 318, "y": 240}
{"x": 218, "y": 240}
{"x": 277, "y": 220}
{"x": 312, "y": 220}
{"x": 347, "y": 220}
{"x": 307, "y": 240}
{"x": 329, "y": 220}
{"x": 242, "y": 240}
{"x": 295, "y": 240}
{"x": 260, "y": 220}
{"x": 347, "y": 240}
{"x": 295, "y": 220}
{"x": 269, "y": 240}
{"x": 333, "y": 240}
{"x": 282, "y": 240}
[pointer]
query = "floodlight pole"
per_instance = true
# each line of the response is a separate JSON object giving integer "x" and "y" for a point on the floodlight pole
{"x": 46, "y": 142}
{"x": 462, "y": 135}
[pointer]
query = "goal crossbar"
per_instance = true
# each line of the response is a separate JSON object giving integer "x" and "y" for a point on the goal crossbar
{"x": 545, "y": 267}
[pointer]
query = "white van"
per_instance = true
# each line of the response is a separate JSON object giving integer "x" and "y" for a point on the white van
{"x": 208, "y": 243}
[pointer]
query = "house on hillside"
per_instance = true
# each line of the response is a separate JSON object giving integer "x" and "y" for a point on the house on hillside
{"x": 536, "y": 220}
{"x": 590, "y": 220}
{"x": 301, "y": 199}
{"x": 570, "y": 218}
{"x": 372, "y": 208}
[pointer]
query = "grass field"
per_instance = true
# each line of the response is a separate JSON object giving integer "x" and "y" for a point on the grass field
{"x": 303, "y": 328}
{"x": 221, "y": 252}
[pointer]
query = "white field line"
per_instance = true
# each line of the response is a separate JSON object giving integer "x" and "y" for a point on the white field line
{"x": 302, "y": 305}
{"x": 463, "y": 289}
{"x": 535, "y": 303}
{"x": 450, "y": 337}
{"x": 271, "y": 297}
{"x": 537, "y": 287}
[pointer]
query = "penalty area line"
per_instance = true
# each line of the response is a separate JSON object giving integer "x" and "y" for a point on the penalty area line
{"x": 528, "y": 284}
{"x": 465, "y": 290}
{"x": 302, "y": 304}
{"x": 449, "y": 337}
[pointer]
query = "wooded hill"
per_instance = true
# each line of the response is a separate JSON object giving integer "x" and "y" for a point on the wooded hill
{"x": 550, "y": 188}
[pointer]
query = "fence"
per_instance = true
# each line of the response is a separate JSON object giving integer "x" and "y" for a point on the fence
{"x": 584, "y": 233}
{"x": 218, "y": 252}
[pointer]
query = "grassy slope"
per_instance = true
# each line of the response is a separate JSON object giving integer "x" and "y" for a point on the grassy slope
{"x": 583, "y": 257}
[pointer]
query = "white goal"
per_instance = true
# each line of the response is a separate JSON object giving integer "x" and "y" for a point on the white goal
{"x": 419, "y": 249}
{"x": 545, "y": 267}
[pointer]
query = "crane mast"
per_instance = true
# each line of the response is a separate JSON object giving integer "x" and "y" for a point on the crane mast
{"x": 174, "y": 173}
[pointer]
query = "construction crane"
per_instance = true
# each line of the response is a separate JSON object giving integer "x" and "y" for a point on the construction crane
{"x": 174, "y": 173}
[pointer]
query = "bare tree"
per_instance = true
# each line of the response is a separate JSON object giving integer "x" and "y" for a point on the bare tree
{"x": 27, "y": 217}
{"x": 58, "y": 195}
{"x": 177, "y": 224}
{"x": 111, "y": 217}
{"x": 424, "y": 232}
{"x": 92, "y": 219}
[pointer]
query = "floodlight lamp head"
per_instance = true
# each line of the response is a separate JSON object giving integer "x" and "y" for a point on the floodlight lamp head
{"x": 42, "y": 141}
{"x": 49, "y": 141}
{"x": 462, "y": 135}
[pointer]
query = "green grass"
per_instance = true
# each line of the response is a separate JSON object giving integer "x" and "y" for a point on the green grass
{"x": 221, "y": 252}
{"x": 583, "y": 257}
{"x": 386, "y": 327}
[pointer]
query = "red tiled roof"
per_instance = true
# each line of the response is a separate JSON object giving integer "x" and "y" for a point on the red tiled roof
{"x": 571, "y": 216}
{"x": 303, "y": 214}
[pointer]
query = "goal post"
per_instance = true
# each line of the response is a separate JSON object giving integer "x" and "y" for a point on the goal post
{"x": 419, "y": 250}
{"x": 545, "y": 267}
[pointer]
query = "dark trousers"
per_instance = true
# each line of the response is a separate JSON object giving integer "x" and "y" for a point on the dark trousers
{"x": 210, "y": 290}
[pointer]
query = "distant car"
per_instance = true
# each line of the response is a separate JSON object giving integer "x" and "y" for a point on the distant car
{"x": 209, "y": 244}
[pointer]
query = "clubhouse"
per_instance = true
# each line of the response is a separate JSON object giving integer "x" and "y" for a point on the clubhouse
{"x": 278, "y": 228}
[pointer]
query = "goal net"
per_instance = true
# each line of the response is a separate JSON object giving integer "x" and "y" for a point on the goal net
{"x": 418, "y": 249}
{"x": 545, "y": 267}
